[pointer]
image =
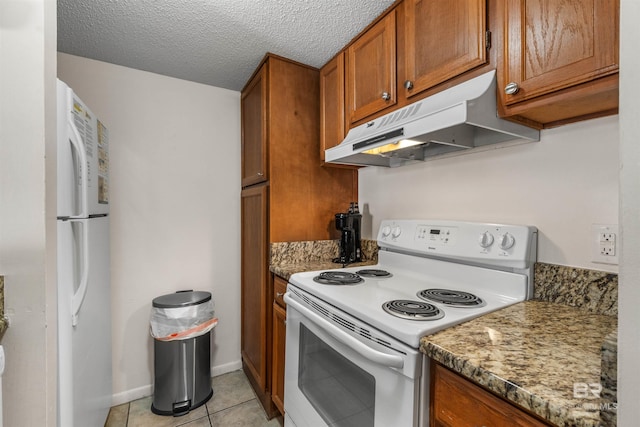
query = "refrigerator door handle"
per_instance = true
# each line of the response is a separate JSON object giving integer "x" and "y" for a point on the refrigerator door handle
{"x": 78, "y": 297}
{"x": 76, "y": 141}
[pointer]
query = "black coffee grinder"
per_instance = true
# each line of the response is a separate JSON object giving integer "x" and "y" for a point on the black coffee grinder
{"x": 349, "y": 226}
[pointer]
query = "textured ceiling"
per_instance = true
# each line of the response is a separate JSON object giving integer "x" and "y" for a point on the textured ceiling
{"x": 215, "y": 42}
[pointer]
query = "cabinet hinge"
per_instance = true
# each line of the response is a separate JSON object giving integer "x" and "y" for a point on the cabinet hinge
{"x": 487, "y": 39}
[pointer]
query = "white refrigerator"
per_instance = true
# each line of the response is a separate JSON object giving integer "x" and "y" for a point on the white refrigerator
{"x": 84, "y": 295}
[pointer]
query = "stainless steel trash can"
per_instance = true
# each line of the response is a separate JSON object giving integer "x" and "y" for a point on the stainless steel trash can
{"x": 182, "y": 366}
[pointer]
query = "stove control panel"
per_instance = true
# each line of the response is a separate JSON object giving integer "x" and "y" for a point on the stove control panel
{"x": 491, "y": 244}
{"x": 440, "y": 236}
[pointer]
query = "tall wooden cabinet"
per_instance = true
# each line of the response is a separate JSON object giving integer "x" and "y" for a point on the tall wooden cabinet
{"x": 287, "y": 195}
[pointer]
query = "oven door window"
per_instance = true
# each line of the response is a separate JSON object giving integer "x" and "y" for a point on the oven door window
{"x": 341, "y": 392}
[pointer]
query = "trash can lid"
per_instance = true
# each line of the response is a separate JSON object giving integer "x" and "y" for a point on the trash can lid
{"x": 181, "y": 299}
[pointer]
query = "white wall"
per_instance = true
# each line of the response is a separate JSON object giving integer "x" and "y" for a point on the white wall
{"x": 629, "y": 296}
{"x": 175, "y": 205}
{"x": 562, "y": 185}
{"x": 27, "y": 225}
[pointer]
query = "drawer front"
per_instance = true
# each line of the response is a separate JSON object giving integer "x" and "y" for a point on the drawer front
{"x": 279, "y": 288}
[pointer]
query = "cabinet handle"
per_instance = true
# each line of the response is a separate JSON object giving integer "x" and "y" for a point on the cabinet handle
{"x": 512, "y": 88}
{"x": 260, "y": 174}
{"x": 408, "y": 85}
{"x": 386, "y": 96}
{"x": 279, "y": 294}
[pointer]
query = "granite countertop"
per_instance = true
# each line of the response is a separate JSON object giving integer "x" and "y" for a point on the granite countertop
{"x": 545, "y": 357}
{"x": 288, "y": 258}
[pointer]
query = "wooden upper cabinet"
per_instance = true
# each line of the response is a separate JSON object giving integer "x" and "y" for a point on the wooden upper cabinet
{"x": 254, "y": 129}
{"x": 442, "y": 39}
{"x": 436, "y": 41}
{"x": 551, "y": 46}
{"x": 332, "y": 119}
{"x": 371, "y": 70}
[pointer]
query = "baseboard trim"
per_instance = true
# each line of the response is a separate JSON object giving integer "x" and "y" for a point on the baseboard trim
{"x": 131, "y": 395}
{"x": 147, "y": 390}
{"x": 226, "y": 368}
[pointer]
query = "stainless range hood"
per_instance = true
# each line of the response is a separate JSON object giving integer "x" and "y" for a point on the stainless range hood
{"x": 460, "y": 118}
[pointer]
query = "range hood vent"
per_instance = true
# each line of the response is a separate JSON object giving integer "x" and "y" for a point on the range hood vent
{"x": 456, "y": 119}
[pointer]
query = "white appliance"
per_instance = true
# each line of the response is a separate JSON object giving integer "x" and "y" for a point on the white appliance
{"x": 352, "y": 345}
{"x": 457, "y": 119}
{"x": 84, "y": 295}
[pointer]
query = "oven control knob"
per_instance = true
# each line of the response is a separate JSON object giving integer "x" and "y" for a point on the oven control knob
{"x": 386, "y": 230}
{"x": 486, "y": 239}
{"x": 507, "y": 241}
{"x": 395, "y": 233}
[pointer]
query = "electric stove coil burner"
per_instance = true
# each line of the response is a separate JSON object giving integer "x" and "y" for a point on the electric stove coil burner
{"x": 412, "y": 310}
{"x": 451, "y": 298}
{"x": 373, "y": 272}
{"x": 337, "y": 278}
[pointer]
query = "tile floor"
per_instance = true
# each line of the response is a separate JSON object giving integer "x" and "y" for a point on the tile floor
{"x": 233, "y": 404}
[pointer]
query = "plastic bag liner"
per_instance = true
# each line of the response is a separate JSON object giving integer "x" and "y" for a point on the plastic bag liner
{"x": 181, "y": 323}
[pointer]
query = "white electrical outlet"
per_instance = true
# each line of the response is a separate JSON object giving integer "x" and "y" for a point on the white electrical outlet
{"x": 604, "y": 243}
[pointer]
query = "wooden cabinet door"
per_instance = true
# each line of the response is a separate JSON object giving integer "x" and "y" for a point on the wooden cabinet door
{"x": 456, "y": 401}
{"x": 254, "y": 286}
{"x": 371, "y": 70}
{"x": 332, "y": 119}
{"x": 277, "y": 370}
{"x": 254, "y": 129}
{"x": 551, "y": 45}
{"x": 442, "y": 39}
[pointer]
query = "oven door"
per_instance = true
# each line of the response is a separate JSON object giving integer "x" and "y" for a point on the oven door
{"x": 335, "y": 376}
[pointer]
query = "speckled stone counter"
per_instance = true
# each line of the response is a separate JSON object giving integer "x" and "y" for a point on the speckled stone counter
{"x": 3, "y": 321}
{"x": 542, "y": 356}
{"x": 288, "y": 258}
{"x": 590, "y": 290}
{"x": 608, "y": 376}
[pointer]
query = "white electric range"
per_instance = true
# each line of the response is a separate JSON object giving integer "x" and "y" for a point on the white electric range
{"x": 353, "y": 333}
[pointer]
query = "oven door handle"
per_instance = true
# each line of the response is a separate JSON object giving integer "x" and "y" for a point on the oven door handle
{"x": 362, "y": 349}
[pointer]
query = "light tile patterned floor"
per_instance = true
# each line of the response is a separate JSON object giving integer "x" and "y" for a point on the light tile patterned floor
{"x": 233, "y": 405}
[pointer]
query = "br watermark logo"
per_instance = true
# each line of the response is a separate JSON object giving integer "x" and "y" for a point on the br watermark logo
{"x": 591, "y": 393}
{"x": 587, "y": 390}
